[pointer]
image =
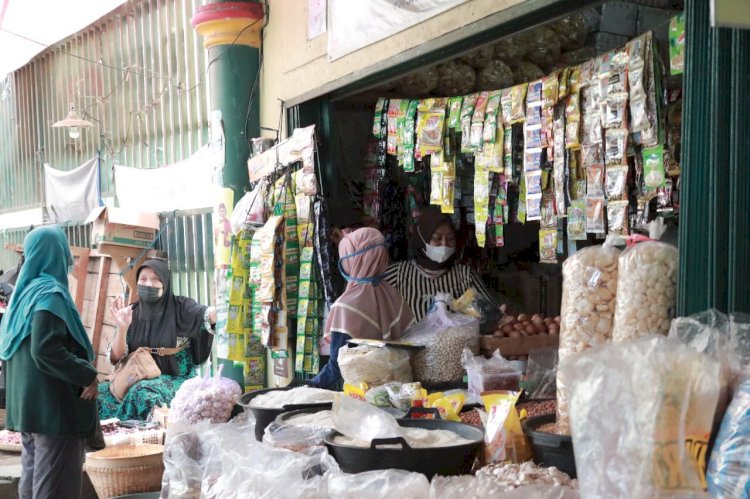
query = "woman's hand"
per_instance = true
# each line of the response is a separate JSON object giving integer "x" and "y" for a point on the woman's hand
{"x": 122, "y": 313}
{"x": 91, "y": 391}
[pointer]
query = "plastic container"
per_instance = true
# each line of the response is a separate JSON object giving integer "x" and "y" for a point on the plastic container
{"x": 550, "y": 449}
{"x": 265, "y": 416}
{"x": 486, "y": 380}
{"x": 445, "y": 461}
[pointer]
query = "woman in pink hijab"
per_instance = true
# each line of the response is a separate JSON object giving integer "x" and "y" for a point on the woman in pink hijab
{"x": 369, "y": 308}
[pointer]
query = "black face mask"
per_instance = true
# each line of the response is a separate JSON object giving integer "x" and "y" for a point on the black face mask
{"x": 148, "y": 294}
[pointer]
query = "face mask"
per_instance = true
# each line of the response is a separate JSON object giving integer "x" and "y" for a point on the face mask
{"x": 360, "y": 280}
{"x": 148, "y": 294}
{"x": 438, "y": 254}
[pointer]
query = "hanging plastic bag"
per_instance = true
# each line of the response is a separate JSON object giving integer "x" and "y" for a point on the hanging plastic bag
{"x": 495, "y": 373}
{"x": 443, "y": 335}
{"x": 641, "y": 415}
{"x": 375, "y": 365}
{"x": 728, "y": 475}
{"x": 250, "y": 210}
{"x": 205, "y": 399}
{"x": 480, "y": 307}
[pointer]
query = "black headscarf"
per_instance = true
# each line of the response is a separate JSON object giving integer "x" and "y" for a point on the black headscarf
{"x": 427, "y": 223}
{"x": 159, "y": 324}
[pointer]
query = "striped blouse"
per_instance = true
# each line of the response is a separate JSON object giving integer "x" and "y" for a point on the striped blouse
{"x": 418, "y": 289}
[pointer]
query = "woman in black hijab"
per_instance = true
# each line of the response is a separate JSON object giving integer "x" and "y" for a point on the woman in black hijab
{"x": 434, "y": 269}
{"x": 159, "y": 320}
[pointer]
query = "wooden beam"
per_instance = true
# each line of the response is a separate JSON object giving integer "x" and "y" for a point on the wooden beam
{"x": 101, "y": 301}
{"x": 80, "y": 270}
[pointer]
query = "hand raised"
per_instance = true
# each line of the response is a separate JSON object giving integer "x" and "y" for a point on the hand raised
{"x": 122, "y": 313}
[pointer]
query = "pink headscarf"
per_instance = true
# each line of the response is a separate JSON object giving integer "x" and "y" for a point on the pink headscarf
{"x": 369, "y": 308}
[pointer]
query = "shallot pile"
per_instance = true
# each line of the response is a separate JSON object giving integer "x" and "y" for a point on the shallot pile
{"x": 205, "y": 399}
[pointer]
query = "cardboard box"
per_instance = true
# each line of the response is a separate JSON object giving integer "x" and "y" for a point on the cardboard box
{"x": 122, "y": 227}
{"x": 516, "y": 346}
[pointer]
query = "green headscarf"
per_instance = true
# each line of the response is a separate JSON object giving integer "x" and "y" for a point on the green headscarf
{"x": 44, "y": 276}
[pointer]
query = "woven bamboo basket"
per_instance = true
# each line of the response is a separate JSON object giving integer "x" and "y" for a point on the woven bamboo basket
{"x": 126, "y": 469}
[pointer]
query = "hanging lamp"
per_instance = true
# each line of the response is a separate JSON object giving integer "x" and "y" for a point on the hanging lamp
{"x": 73, "y": 122}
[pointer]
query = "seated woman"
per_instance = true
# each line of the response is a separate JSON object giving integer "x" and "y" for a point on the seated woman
{"x": 369, "y": 308}
{"x": 434, "y": 269}
{"x": 158, "y": 320}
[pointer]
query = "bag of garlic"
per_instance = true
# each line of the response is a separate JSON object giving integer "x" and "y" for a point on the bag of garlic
{"x": 641, "y": 415}
{"x": 587, "y": 311}
{"x": 646, "y": 290}
{"x": 374, "y": 365}
{"x": 444, "y": 335}
{"x": 205, "y": 399}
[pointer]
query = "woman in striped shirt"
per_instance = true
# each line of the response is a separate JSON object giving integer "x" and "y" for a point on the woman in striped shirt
{"x": 434, "y": 269}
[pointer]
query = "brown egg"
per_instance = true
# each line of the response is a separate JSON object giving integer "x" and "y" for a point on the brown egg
{"x": 514, "y": 334}
{"x": 498, "y": 334}
{"x": 548, "y": 320}
{"x": 554, "y": 330}
{"x": 538, "y": 321}
{"x": 507, "y": 329}
{"x": 523, "y": 318}
{"x": 558, "y": 319}
{"x": 531, "y": 330}
{"x": 519, "y": 326}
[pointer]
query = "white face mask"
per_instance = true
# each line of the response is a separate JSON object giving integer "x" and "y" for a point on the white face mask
{"x": 438, "y": 254}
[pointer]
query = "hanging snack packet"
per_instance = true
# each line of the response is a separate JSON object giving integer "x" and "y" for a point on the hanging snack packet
{"x": 518, "y": 100}
{"x": 447, "y": 205}
{"x": 477, "y": 121}
{"x": 467, "y": 112}
{"x": 534, "y": 93}
{"x": 532, "y": 160}
{"x": 595, "y": 181}
{"x": 577, "y": 220}
{"x": 454, "y": 116}
{"x": 436, "y": 189}
{"x": 563, "y": 90}
{"x": 617, "y": 217}
{"x": 430, "y": 133}
{"x": 592, "y": 155}
{"x": 394, "y": 108}
{"x": 409, "y": 136}
{"x": 534, "y": 207}
{"x": 654, "y": 174}
{"x": 534, "y": 183}
{"x": 489, "y": 132}
{"x": 616, "y": 147}
{"x": 548, "y": 246}
{"x": 550, "y": 87}
{"x": 377, "y": 129}
{"x": 572, "y": 120}
{"x": 595, "y": 215}
{"x": 616, "y": 182}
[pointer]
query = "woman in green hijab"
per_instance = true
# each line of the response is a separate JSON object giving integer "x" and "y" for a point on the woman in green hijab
{"x": 51, "y": 382}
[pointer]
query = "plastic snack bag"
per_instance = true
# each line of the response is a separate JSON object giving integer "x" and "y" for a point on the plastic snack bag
{"x": 651, "y": 441}
{"x": 728, "y": 469}
{"x": 587, "y": 311}
{"x": 504, "y": 438}
{"x": 443, "y": 335}
{"x": 374, "y": 365}
{"x": 480, "y": 307}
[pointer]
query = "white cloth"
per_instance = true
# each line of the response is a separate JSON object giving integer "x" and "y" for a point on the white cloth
{"x": 183, "y": 185}
{"x": 70, "y": 196}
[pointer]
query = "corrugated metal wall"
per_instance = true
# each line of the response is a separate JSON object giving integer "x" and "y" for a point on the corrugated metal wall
{"x": 715, "y": 194}
{"x": 138, "y": 75}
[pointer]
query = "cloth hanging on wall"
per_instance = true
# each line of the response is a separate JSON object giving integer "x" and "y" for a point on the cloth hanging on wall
{"x": 183, "y": 185}
{"x": 71, "y": 195}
